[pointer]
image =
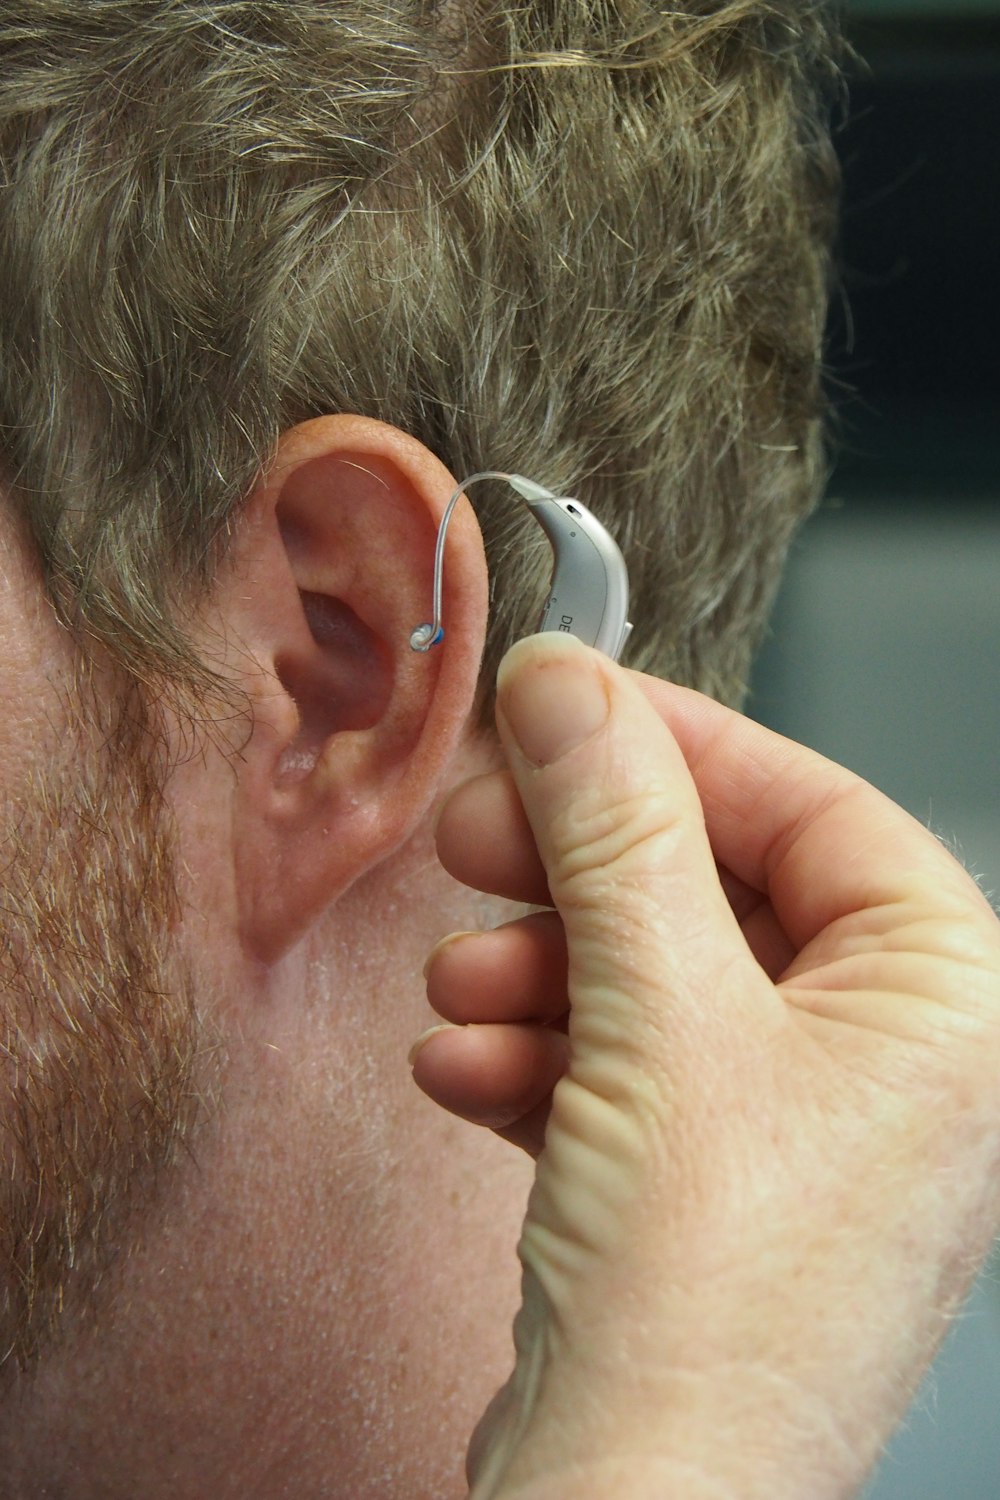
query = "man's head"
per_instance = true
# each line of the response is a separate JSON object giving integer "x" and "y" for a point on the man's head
{"x": 588, "y": 242}
{"x": 275, "y": 276}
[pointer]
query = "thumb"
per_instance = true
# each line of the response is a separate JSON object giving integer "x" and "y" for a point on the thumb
{"x": 661, "y": 987}
{"x": 619, "y": 827}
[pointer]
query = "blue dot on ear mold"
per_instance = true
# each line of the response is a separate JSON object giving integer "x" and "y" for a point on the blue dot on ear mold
{"x": 425, "y": 636}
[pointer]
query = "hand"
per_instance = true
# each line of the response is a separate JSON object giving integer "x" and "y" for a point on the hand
{"x": 759, "y": 1039}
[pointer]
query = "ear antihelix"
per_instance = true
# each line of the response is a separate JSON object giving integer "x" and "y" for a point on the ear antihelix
{"x": 588, "y": 593}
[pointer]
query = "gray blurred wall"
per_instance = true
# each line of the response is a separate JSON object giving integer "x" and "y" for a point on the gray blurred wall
{"x": 885, "y": 655}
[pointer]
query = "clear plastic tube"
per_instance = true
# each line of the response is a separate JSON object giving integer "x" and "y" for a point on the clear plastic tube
{"x": 426, "y": 636}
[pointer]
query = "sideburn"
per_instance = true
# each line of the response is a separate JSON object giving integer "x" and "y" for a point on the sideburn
{"x": 101, "y": 1048}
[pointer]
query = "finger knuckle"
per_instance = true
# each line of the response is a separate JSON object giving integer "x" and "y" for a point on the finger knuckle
{"x": 603, "y": 847}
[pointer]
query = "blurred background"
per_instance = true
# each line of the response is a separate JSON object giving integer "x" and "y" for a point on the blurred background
{"x": 884, "y": 649}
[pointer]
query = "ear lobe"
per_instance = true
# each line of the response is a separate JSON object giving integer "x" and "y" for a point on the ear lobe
{"x": 354, "y": 732}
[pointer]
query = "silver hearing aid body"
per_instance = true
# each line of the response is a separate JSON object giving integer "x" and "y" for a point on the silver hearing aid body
{"x": 588, "y": 593}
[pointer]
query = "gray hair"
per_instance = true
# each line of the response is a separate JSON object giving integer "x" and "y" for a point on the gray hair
{"x": 585, "y": 240}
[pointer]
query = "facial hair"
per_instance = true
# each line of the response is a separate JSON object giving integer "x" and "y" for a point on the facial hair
{"x": 103, "y": 1059}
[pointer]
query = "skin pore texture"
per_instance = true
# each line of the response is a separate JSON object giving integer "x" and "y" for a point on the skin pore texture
{"x": 313, "y": 1296}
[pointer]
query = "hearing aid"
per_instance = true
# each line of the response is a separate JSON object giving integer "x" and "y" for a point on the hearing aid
{"x": 588, "y": 590}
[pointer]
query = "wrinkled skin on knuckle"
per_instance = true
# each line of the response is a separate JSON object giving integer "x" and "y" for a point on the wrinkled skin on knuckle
{"x": 602, "y": 851}
{"x": 630, "y": 983}
{"x": 605, "y": 1150}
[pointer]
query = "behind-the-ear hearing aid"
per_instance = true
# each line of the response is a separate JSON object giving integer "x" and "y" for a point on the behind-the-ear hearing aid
{"x": 588, "y": 594}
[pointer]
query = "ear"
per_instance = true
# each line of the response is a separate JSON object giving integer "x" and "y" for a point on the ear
{"x": 354, "y": 731}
